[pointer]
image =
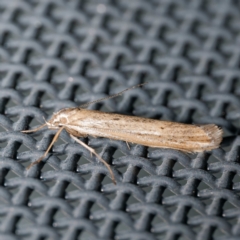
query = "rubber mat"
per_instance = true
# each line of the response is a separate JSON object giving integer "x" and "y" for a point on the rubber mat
{"x": 57, "y": 54}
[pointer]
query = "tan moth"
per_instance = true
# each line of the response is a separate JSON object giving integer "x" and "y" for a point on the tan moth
{"x": 80, "y": 122}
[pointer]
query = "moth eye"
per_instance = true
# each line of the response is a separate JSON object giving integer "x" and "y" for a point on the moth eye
{"x": 64, "y": 120}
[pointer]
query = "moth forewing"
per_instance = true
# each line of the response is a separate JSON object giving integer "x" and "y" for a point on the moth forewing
{"x": 149, "y": 132}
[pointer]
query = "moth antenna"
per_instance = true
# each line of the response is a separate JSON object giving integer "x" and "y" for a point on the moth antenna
{"x": 35, "y": 129}
{"x": 47, "y": 151}
{"x": 112, "y": 96}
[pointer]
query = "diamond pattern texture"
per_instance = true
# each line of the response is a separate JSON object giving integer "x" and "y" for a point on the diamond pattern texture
{"x": 63, "y": 53}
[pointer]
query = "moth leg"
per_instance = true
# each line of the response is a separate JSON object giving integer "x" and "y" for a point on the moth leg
{"x": 75, "y": 133}
{"x": 34, "y": 130}
{"x": 128, "y": 146}
{"x": 49, "y": 147}
{"x": 92, "y": 151}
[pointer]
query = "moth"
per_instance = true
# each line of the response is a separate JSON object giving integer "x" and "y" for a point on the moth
{"x": 80, "y": 122}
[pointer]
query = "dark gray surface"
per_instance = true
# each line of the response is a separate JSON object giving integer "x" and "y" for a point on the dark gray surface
{"x": 56, "y": 54}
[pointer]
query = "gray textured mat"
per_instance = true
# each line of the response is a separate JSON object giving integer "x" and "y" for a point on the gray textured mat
{"x": 56, "y": 54}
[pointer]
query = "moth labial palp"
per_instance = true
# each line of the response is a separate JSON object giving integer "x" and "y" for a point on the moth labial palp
{"x": 148, "y": 132}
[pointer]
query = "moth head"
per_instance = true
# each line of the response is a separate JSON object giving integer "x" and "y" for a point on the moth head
{"x": 58, "y": 120}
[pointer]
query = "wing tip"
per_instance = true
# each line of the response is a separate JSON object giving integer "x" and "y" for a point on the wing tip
{"x": 214, "y": 133}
